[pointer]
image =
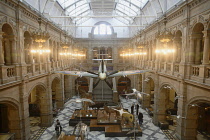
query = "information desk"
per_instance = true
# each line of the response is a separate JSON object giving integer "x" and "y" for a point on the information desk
{"x": 113, "y": 130}
{"x": 65, "y": 137}
{"x": 104, "y": 119}
{"x": 7, "y": 136}
{"x": 82, "y": 115}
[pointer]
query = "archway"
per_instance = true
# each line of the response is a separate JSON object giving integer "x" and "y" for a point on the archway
{"x": 10, "y": 119}
{"x": 124, "y": 85}
{"x": 57, "y": 95}
{"x": 81, "y": 85}
{"x": 8, "y": 45}
{"x": 178, "y": 46}
{"x": 167, "y": 105}
{"x": 95, "y": 54}
{"x": 197, "y": 44}
{"x": 170, "y": 99}
{"x": 149, "y": 89}
{"x": 27, "y": 47}
{"x": 198, "y": 120}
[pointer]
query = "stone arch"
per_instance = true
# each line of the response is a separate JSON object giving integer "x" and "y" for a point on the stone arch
{"x": 124, "y": 85}
{"x": 197, "y": 43}
{"x": 57, "y": 93}
{"x": 102, "y": 22}
{"x": 150, "y": 89}
{"x": 27, "y": 47}
{"x": 39, "y": 104}
{"x": 8, "y": 45}
{"x": 167, "y": 105}
{"x": 178, "y": 45}
{"x": 81, "y": 83}
{"x": 10, "y": 117}
{"x": 40, "y": 84}
{"x": 196, "y": 116}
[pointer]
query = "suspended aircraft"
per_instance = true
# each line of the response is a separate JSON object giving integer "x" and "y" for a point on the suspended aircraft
{"x": 102, "y": 72}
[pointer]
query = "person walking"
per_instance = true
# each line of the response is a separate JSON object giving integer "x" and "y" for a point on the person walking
{"x": 58, "y": 127}
{"x": 140, "y": 117}
{"x": 132, "y": 108}
{"x": 137, "y": 109}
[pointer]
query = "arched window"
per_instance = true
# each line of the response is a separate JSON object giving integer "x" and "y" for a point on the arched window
{"x": 102, "y": 29}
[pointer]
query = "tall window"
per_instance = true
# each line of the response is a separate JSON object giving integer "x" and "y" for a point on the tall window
{"x": 102, "y": 29}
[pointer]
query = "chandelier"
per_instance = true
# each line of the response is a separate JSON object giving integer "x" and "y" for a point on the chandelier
{"x": 40, "y": 37}
{"x": 65, "y": 48}
{"x": 165, "y": 38}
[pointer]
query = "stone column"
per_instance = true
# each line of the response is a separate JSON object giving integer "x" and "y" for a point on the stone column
{"x": 115, "y": 94}
{"x": 156, "y": 100}
{"x": 31, "y": 54}
{"x": 67, "y": 87}
{"x": 26, "y": 58}
{"x": 14, "y": 50}
{"x": 149, "y": 53}
{"x": 7, "y": 51}
{"x": 91, "y": 86}
{"x": 60, "y": 93}
{"x": 179, "y": 48}
{"x": 190, "y": 123}
{"x": 14, "y": 122}
{"x": 25, "y": 121}
{"x": 56, "y": 53}
{"x": 198, "y": 51}
{"x": 175, "y": 48}
{"x": 157, "y": 55}
{"x": 206, "y": 48}
{"x": 1, "y": 50}
{"x": 192, "y": 52}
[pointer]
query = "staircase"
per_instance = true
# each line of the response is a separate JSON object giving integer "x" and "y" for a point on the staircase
{"x": 102, "y": 92}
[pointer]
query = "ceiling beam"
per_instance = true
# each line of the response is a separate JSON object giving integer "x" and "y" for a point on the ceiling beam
{"x": 102, "y": 16}
{"x": 107, "y": 25}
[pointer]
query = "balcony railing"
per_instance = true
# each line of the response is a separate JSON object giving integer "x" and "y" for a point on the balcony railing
{"x": 208, "y": 72}
{"x": 176, "y": 68}
{"x": 195, "y": 70}
{"x": 10, "y": 72}
{"x": 168, "y": 67}
{"x": 36, "y": 67}
{"x": 162, "y": 66}
{"x": 29, "y": 68}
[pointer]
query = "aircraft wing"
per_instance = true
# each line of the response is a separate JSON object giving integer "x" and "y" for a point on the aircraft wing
{"x": 129, "y": 94}
{"x": 77, "y": 73}
{"x": 125, "y": 73}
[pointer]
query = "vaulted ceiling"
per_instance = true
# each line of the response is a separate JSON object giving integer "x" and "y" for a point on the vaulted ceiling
{"x": 127, "y": 12}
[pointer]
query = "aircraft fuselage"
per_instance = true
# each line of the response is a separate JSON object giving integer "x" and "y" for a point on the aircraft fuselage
{"x": 102, "y": 76}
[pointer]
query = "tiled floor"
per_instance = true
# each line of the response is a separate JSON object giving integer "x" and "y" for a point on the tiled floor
{"x": 150, "y": 131}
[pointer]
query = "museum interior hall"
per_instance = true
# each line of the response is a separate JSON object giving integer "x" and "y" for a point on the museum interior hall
{"x": 104, "y": 69}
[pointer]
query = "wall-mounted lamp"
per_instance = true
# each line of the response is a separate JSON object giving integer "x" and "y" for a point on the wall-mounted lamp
{"x": 178, "y": 97}
{"x": 194, "y": 105}
{"x": 178, "y": 117}
{"x": 146, "y": 80}
{"x": 167, "y": 87}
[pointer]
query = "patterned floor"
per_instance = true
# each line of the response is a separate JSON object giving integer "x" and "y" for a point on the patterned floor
{"x": 150, "y": 131}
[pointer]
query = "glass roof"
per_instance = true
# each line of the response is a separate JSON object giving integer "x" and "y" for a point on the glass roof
{"x": 78, "y": 13}
{"x": 122, "y": 8}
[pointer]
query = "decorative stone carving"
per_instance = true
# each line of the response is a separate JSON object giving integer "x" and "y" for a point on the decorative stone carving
{"x": 193, "y": 21}
{"x": 13, "y": 23}
{"x": 3, "y": 19}
{"x": 201, "y": 18}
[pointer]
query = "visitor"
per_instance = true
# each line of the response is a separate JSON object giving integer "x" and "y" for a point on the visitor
{"x": 137, "y": 108}
{"x": 132, "y": 108}
{"x": 140, "y": 117}
{"x": 58, "y": 127}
